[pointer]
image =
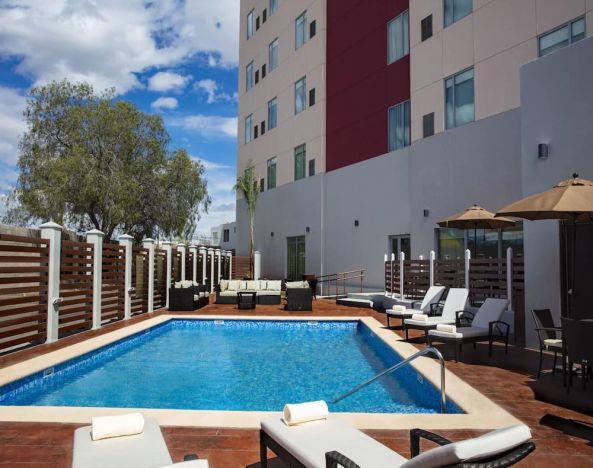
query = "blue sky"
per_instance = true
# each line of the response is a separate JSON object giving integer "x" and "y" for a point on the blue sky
{"x": 172, "y": 57}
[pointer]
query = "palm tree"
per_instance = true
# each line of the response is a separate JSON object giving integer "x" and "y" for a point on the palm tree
{"x": 247, "y": 186}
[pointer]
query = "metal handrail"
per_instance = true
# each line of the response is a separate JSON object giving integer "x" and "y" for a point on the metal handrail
{"x": 420, "y": 353}
{"x": 342, "y": 276}
{"x": 343, "y": 273}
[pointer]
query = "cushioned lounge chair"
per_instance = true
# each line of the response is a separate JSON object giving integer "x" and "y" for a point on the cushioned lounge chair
{"x": 432, "y": 296}
{"x": 332, "y": 443}
{"x": 145, "y": 450}
{"x": 455, "y": 302}
{"x": 549, "y": 335}
{"x": 484, "y": 325}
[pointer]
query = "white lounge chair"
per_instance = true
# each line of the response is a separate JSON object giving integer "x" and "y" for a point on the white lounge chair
{"x": 331, "y": 443}
{"x": 485, "y": 325}
{"x": 455, "y": 301}
{"x": 410, "y": 307}
{"x": 145, "y": 450}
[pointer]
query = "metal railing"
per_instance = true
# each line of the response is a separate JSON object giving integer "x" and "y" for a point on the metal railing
{"x": 342, "y": 276}
{"x": 397, "y": 366}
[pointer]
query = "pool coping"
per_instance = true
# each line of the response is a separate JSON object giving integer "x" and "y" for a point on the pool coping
{"x": 480, "y": 411}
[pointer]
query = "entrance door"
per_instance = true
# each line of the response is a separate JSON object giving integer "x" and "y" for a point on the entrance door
{"x": 399, "y": 244}
{"x": 295, "y": 261}
{"x": 583, "y": 292}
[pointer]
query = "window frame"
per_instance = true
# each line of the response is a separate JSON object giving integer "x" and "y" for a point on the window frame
{"x": 303, "y": 15}
{"x": 250, "y": 24}
{"x": 273, "y": 103}
{"x": 453, "y": 20}
{"x": 405, "y": 37}
{"x": 271, "y": 64}
{"x": 272, "y": 6}
{"x": 248, "y": 137}
{"x": 271, "y": 164}
{"x": 304, "y": 91}
{"x": 407, "y": 136}
{"x": 453, "y": 77}
{"x": 571, "y": 41}
{"x": 300, "y": 155}
{"x": 249, "y": 83}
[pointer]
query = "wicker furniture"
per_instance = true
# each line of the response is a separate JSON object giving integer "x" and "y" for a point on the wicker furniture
{"x": 246, "y": 300}
{"x": 578, "y": 336}
{"x": 549, "y": 335}
{"x": 188, "y": 298}
{"x": 267, "y": 291}
{"x": 298, "y": 296}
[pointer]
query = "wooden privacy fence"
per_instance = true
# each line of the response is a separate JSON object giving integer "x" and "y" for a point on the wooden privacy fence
{"x": 139, "y": 281}
{"x": 160, "y": 278}
{"x": 113, "y": 282}
{"x": 23, "y": 290}
{"x": 242, "y": 267}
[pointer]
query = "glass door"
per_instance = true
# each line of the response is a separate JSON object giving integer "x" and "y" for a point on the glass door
{"x": 295, "y": 261}
{"x": 399, "y": 244}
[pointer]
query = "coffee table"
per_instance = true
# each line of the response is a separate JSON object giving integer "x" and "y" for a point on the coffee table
{"x": 246, "y": 300}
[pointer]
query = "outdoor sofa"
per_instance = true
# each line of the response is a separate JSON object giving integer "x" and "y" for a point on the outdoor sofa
{"x": 299, "y": 296}
{"x": 187, "y": 295}
{"x": 332, "y": 443}
{"x": 267, "y": 291}
{"x": 405, "y": 308}
{"x": 484, "y": 325}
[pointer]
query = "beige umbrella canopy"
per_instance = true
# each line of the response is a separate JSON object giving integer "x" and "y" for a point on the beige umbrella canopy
{"x": 571, "y": 200}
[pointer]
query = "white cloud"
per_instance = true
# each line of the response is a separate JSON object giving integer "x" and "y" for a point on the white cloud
{"x": 211, "y": 165}
{"x": 210, "y": 87}
{"x": 165, "y": 103}
{"x": 168, "y": 81}
{"x": 12, "y": 124}
{"x": 208, "y": 125}
{"x": 108, "y": 43}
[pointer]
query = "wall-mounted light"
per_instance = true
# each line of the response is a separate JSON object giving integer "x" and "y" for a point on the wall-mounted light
{"x": 272, "y": 234}
{"x": 307, "y": 229}
{"x": 356, "y": 222}
{"x": 543, "y": 150}
{"x": 426, "y": 212}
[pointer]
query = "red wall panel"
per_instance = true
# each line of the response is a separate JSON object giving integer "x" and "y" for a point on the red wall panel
{"x": 360, "y": 84}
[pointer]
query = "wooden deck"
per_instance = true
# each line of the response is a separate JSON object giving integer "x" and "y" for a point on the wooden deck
{"x": 564, "y": 437}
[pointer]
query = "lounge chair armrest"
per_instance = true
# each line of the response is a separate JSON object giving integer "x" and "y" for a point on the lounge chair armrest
{"x": 414, "y": 303}
{"x": 434, "y": 308}
{"x": 464, "y": 318}
{"x": 416, "y": 434}
{"x": 334, "y": 459}
{"x": 507, "y": 459}
{"x": 506, "y": 326}
{"x": 191, "y": 456}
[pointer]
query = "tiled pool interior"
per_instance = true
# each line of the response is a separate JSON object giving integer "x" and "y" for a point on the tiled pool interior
{"x": 236, "y": 365}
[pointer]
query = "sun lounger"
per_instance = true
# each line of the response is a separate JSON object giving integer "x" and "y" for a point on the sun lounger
{"x": 455, "y": 302}
{"x": 485, "y": 325}
{"x": 331, "y": 443}
{"x": 144, "y": 450}
{"x": 406, "y": 308}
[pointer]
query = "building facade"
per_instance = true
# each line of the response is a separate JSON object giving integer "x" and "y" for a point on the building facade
{"x": 377, "y": 119}
{"x": 224, "y": 235}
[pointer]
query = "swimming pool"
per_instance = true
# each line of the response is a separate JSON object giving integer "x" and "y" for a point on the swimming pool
{"x": 232, "y": 365}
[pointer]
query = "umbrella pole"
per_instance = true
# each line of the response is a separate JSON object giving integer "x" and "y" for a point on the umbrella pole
{"x": 571, "y": 290}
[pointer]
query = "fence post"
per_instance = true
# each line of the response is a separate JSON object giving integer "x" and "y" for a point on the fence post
{"x": 194, "y": 250}
{"x": 402, "y": 257}
{"x": 385, "y": 258}
{"x": 219, "y": 272}
{"x": 468, "y": 257}
{"x": 431, "y": 257}
{"x": 211, "y": 255}
{"x": 95, "y": 237}
{"x": 256, "y": 265}
{"x": 202, "y": 251}
{"x": 168, "y": 249}
{"x": 53, "y": 232}
{"x": 127, "y": 241}
{"x": 510, "y": 277}
{"x": 181, "y": 248}
{"x": 230, "y": 255}
{"x": 393, "y": 275}
{"x": 148, "y": 244}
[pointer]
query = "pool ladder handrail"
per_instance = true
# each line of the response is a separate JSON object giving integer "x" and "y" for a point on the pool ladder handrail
{"x": 395, "y": 367}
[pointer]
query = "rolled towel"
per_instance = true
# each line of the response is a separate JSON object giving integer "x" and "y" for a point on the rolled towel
{"x": 398, "y": 308}
{"x": 420, "y": 317}
{"x": 305, "y": 412}
{"x": 103, "y": 427}
{"x": 444, "y": 327}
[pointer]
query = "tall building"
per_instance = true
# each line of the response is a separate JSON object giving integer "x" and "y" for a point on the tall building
{"x": 369, "y": 121}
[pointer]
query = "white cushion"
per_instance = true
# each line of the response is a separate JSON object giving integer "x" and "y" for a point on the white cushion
{"x": 262, "y": 285}
{"x": 490, "y": 311}
{"x": 456, "y": 300}
{"x": 267, "y": 293}
{"x": 228, "y": 293}
{"x": 460, "y": 333}
{"x": 553, "y": 343}
{"x": 401, "y": 311}
{"x": 242, "y": 285}
{"x": 446, "y": 327}
{"x": 252, "y": 285}
{"x": 485, "y": 446}
{"x": 432, "y": 296}
{"x": 420, "y": 317}
{"x": 429, "y": 322}
{"x": 274, "y": 285}
{"x": 187, "y": 283}
{"x": 297, "y": 284}
{"x": 309, "y": 442}
{"x": 224, "y": 285}
{"x": 177, "y": 284}
{"x": 233, "y": 285}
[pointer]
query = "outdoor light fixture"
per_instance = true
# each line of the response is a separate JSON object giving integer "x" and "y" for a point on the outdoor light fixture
{"x": 356, "y": 222}
{"x": 426, "y": 212}
{"x": 307, "y": 229}
{"x": 272, "y": 234}
{"x": 542, "y": 151}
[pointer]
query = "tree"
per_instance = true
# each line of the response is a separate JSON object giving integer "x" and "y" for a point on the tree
{"x": 89, "y": 160}
{"x": 247, "y": 186}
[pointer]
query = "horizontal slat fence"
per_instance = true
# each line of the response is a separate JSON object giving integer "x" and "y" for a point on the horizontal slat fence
{"x": 416, "y": 278}
{"x": 176, "y": 266}
{"x": 242, "y": 267}
{"x": 189, "y": 265}
{"x": 139, "y": 281}
{"x": 76, "y": 287}
{"x": 200, "y": 267}
{"x": 449, "y": 273}
{"x": 113, "y": 282}
{"x": 23, "y": 290}
{"x": 160, "y": 278}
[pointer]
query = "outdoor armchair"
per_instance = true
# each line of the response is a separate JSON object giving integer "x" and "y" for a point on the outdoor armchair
{"x": 578, "y": 336}
{"x": 298, "y": 296}
{"x": 549, "y": 336}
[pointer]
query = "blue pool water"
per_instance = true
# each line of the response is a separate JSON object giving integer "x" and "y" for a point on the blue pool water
{"x": 233, "y": 365}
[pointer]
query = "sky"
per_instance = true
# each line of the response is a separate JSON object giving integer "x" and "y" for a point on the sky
{"x": 172, "y": 57}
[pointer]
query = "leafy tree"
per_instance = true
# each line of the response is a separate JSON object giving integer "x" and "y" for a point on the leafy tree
{"x": 89, "y": 160}
{"x": 248, "y": 188}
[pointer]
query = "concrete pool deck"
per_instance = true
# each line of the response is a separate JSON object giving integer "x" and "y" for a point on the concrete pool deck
{"x": 481, "y": 412}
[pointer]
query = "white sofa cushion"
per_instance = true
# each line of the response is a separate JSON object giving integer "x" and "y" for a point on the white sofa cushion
{"x": 252, "y": 285}
{"x": 297, "y": 284}
{"x": 262, "y": 285}
{"x": 224, "y": 285}
{"x": 233, "y": 285}
{"x": 262, "y": 292}
{"x": 228, "y": 293}
{"x": 460, "y": 333}
{"x": 485, "y": 446}
{"x": 242, "y": 285}
{"x": 274, "y": 285}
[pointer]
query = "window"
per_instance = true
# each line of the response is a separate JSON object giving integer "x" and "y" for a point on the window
{"x": 312, "y": 97}
{"x": 300, "y": 26}
{"x": 255, "y": 132}
{"x": 400, "y": 244}
{"x": 459, "y": 99}
{"x": 300, "y": 95}
{"x": 454, "y": 10}
{"x": 257, "y": 23}
{"x": 272, "y": 114}
{"x": 426, "y": 28}
{"x": 399, "y": 126}
{"x": 398, "y": 38}
{"x": 561, "y": 37}
{"x": 263, "y": 71}
{"x": 483, "y": 243}
{"x": 250, "y": 24}
{"x": 256, "y": 76}
{"x": 226, "y": 235}
{"x": 451, "y": 243}
{"x": 271, "y": 173}
{"x": 300, "y": 156}
{"x": 249, "y": 77}
{"x": 273, "y": 6}
{"x": 311, "y": 167}
{"x": 264, "y": 15}
{"x": 273, "y": 54}
{"x": 261, "y": 184}
{"x": 248, "y": 128}
{"x": 295, "y": 257}
{"x": 428, "y": 125}
{"x": 312, "y": 29}
{"x": 263, "y": 127}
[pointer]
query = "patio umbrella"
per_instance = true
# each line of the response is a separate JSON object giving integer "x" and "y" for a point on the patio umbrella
{"x": 475, "y": 217}
{"x": 570, "y": 200}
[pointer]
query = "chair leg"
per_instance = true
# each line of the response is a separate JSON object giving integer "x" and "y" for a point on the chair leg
{"x": 263, "y": 452}
{"x": 457, "y": 351}
{"x": 539, "y": 367}
{"x": 475, "y": 345}
{"x": 407, "y": 337}
{"x": 490, "y": 347}
{"x": 584, "y": 373}
{"x": 387, "y": 320}
{"x": 554, "y": 367}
